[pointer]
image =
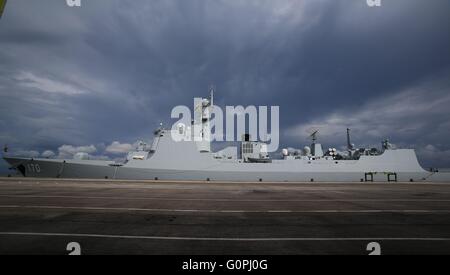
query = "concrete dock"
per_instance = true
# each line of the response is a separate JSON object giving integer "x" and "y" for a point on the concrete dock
{"x": 196, "y": 218}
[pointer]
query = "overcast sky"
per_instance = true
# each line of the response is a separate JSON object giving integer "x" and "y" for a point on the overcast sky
{"x": 97, "y": 78}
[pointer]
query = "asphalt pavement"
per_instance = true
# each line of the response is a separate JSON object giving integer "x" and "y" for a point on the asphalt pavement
{"x": 206, "y": 218}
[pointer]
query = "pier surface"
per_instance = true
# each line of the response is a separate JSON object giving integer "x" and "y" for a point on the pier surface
{"x": 196, "y": 218}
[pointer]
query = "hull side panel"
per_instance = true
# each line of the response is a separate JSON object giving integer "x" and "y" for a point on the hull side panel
{"x": 239, "y": 172}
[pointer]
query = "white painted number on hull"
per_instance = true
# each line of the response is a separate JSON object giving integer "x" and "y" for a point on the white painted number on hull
{"x": 34, "y": 168}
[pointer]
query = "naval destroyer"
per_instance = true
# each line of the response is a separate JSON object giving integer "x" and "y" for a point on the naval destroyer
{"x": 190, "y": 159}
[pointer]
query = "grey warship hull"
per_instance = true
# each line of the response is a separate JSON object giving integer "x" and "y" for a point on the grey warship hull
{"x": 184, "y": 153}
{"x": 73, "y": 170}
{"x": 392, "y": 165}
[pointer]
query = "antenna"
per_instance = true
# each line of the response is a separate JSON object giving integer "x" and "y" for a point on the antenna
{"x": 314, "y": 136}
{"x": 211, "y": 95}
{"x": 313, "y": 131}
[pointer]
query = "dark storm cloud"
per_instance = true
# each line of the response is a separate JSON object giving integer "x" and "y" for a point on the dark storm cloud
{"x": 112, "y": 70}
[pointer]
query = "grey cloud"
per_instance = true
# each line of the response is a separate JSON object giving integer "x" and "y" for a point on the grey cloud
{"x": 26, "y": 153}
{"x": 118, "y": 148}
{"x": 69, "y": 151}
{"x": 48, "y": 154}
